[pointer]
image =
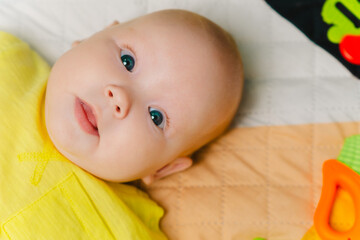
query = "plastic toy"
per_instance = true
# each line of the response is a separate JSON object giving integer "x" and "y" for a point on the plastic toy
{"x": 350, "y": 48}
{"x": 335, "y": 175}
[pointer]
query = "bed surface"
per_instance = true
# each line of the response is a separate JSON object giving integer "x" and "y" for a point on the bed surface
{"x": 262, "y": 178}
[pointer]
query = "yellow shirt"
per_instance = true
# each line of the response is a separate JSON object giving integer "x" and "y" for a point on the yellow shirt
{"x": 42, "y": 194}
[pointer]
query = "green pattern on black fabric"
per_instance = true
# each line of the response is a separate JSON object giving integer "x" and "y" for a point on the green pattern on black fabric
{"x": 350, "y": 153}
{"x": 325, "y": 22}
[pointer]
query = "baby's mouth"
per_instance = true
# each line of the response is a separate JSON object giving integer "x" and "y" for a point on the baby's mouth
{"x": 86, "y": 117}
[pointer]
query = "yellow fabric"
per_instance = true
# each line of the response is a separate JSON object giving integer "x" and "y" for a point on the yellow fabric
{"x": 42, "y": 194}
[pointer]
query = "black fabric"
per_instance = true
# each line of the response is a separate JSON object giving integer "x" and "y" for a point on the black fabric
{"x": 306, "y": 15}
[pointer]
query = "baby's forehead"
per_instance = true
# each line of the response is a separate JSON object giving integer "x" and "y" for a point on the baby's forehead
{"x": 168, "y": 26}
{"x": 167, "y": 49}
{"x": 190, "y": 62}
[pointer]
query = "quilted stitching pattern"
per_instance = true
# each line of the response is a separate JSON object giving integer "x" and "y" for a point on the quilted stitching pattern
{"x": 262, "y": 181}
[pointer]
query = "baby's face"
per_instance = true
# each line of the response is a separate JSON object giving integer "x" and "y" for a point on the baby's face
{"x": 132, "y": 98}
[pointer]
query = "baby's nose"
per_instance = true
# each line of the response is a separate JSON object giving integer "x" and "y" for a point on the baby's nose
{"x": 118, "y": 99}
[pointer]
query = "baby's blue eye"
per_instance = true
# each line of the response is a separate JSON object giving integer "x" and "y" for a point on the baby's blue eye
{"x": 157, "y": 117}
{"x": 128, "y": 61}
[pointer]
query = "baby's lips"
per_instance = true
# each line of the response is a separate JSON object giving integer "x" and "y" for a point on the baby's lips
{"x": 350, "y": 48}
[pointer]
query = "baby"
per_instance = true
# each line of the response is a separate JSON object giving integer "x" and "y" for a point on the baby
{"x": 133, "y": 101}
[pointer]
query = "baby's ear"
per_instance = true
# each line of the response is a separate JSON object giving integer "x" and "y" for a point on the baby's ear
{"x": 116, "y": 22}
{"x": 178, "y": 165}
{"x": 75, "y": 43}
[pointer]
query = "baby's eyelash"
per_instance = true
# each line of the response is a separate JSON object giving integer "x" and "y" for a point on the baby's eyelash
{"x": 128, "y": 47}
{"x": 167, "y": 123}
